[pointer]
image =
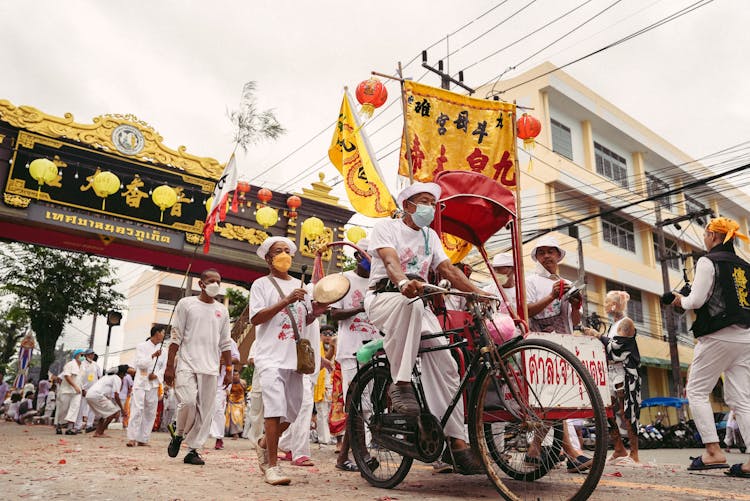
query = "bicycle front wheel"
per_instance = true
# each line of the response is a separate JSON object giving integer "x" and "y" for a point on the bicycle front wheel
{"x": 522, "y": 427}
{"x": 367, "y": 403}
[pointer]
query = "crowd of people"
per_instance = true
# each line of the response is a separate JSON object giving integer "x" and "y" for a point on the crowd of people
{"x": 195, "y": 382}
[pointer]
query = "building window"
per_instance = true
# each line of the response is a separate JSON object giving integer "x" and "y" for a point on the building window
{"x": 618, "y": 232}
{"x": 611, "y": 165}
{"x": 561, "y": 139}
{"x": 672, "y": 252}
{"x": 168, "y": 295}
{"x": 655, "y": 186}
{"x": 635, "y": 305}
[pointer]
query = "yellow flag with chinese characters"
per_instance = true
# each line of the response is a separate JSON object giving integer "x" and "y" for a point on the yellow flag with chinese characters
{"x": 350, "y": 153}
{"x": 449, "y": 131}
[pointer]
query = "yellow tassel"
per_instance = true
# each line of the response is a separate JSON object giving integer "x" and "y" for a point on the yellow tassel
{"x": 528, "y": 146}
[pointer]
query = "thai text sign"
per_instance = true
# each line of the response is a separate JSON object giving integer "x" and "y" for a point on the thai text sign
{"x": 448, "y": 131}
{"x": 553, "y": 379}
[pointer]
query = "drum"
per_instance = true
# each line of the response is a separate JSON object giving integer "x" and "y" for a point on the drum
{"x": 331, "y": 288}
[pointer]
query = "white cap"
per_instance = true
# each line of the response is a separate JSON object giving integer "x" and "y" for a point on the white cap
{"x": 408, "y": 192}
{"x": 547, "y": 241}
{"x": 363, "y": 243}
{"x": 503, "y": 259}
{"x": 268, "y": 242}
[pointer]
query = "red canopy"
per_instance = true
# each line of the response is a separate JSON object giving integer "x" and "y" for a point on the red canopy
{"x": 476, "y": 207}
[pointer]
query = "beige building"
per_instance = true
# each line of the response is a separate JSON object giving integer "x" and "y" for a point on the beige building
{"x": 591, "y": 157}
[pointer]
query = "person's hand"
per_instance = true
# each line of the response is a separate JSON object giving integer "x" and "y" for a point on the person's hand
{"x": 326, "y": 364}
{"x": 590, "y": 332}
{"x": 83, "y": 393}
{"x": 152, "y": 376}
{"x": 319, "y": 308}
{"x": 79, "y": 390}
{"x": 227, "y": 377}
{"x": 169, "y": 375}
{"x": 156, "y": 354}
{"x": 296, "y": 295}
{"x": 412, "y": 288}
{"x": 677, "y": 300}
{"x": 556, "y": 289}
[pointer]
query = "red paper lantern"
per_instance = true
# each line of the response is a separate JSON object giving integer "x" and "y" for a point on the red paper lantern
{"x": 293, "y": 203}
{"x": 371, "y": 94}
{"x": 528, "y": 128}
{"x": 264, "y": 195}
{"x": 243, "y": 186}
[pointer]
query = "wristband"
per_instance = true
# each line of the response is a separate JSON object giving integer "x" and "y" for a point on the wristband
{"x": 402, "y": 283}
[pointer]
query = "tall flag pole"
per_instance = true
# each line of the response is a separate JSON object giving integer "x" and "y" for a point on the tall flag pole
{"x": 226, "y": 184}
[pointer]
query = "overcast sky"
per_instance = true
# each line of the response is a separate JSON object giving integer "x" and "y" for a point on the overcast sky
{"x": 180, "y": 65}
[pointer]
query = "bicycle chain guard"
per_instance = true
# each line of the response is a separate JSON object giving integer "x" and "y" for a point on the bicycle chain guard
{"x": 420, "y": 437}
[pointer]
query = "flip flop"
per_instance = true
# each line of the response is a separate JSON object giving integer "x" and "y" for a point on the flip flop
{"x": 303, "y": 461}
{"x": 736, "y": 471}
{"x": 626, "y": 461}
{"x": 698, "y": 465}
{"x": 347, "y": 466}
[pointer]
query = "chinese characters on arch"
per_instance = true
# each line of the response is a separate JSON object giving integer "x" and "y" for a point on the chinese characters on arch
{"x": 448, "y": 131}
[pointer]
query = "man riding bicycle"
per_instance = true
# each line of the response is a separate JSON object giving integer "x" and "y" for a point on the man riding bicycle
{"x": 403, "y": 252}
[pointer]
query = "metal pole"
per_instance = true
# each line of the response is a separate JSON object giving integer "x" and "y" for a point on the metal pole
{"x": 582, "y": 276}
{"x": 674, "y": 355}
{"x": 93, "y": 322}
{"x": 106, "y": 350}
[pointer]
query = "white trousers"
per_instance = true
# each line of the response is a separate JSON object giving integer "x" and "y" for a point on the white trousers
{"x": 219, "y": 419}
{"x": 296, "y": 438}
{"x": 403, "y": 321}
{"x": 67, "y": 405}
{"x": 85, "y": 410}
{"x": 254, "y": 420}
{"x": 196, "y": 395}
{"x": 324, "y": 431}
{"x": 143, "y": 405}
{"x": 712, "y": 357}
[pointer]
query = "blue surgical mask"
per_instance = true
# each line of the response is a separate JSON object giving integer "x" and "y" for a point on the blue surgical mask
{"x": 424, "y": 215}
{"x": 365, "y": 264}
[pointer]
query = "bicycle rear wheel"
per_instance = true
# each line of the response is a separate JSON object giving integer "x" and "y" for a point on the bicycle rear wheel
{"x": 519, "y": 425}
{"x": 367, "y": 401}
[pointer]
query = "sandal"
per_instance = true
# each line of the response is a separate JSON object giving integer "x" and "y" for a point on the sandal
{"x": 699, "y": 465}
{"x": 736, "y": 471}
{"x": 303, "y": 461}
{"x": 347, "y": 466}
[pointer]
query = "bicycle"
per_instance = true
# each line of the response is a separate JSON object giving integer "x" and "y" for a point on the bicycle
{"x": 519, "y": 395}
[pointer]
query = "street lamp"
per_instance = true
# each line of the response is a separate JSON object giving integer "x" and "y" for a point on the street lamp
{"x": 113, "y": 318}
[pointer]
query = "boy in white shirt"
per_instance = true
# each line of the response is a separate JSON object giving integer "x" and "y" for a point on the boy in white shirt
{"x": 69, "y": 395}
{"x": 199, "y": 334}
{"x": 149, "y": 373}
{"x": 99, "y": 398}
{"x": 276, "y": 353}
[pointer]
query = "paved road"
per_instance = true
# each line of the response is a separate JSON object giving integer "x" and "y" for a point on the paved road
{"x": 37, "y": 464}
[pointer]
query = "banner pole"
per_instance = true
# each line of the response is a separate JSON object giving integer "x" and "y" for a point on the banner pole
{"x": 406, "y": 130}
{"x": 517, "y": 234}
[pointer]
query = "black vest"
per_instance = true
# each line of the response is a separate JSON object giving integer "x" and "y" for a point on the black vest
{"x": 729, "y": 302}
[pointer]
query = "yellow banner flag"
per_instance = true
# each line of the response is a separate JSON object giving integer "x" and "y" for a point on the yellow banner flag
{"x": 350, "y": 153}
{"x": 449, "y": 131}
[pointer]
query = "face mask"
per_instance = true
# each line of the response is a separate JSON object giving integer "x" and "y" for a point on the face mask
{"x": 212, "y": 289}
{"x": 365, "y": 264}
{"x": 282, "y": 262}
{"x": 501, "y": 279}
{"x": 424, "y": 215}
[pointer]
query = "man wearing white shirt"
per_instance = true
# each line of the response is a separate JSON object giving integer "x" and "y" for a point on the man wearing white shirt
{"x": 69, "y": 395}
{"x": 504, "y": 269}
{"x": 200, "y": 333}
{"x": 90, "y": 372}
{"x": 277, "y": 314}
{"x": 149, "y": 373}
{"x": 100, "y": 399}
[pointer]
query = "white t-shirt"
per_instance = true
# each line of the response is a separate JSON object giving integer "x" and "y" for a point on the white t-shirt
{"x": 105, "y": 387}
{"x": 274, "y": 340}
{"x": 510, "y": 294}
{"x": 144, "y": 364}
{"x": 127, "y": 383}
{"x": 418, "y": 250}
{"x": 89, "y": 374}
{"x": 354, "y": 331}
{"x": 201, "y": 330}
{"x": 538, "y": 285}
{"x": 70, "y": 369}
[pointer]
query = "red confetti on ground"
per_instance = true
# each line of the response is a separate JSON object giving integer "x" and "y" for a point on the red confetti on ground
{"x": 62, "y": 442}
{"x": 614, "y": 474}
{"x": 4, "y": 472}
{"x": 62, "y": 461}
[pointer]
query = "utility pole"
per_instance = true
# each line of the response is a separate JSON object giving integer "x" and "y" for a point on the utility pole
{"x": 445, "y": 78}
{"x": 674, "y": 355}
{"x": 93, "y": 322}
{"x": 573, "y": 232}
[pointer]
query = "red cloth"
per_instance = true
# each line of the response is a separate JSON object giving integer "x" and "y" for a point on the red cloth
{"x": 337, "y": 417}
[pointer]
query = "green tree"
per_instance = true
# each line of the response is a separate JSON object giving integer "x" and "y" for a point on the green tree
{"x": 52, "y": 287}
{"x": 252, "y": 125}
{"x": 13, "y": 325}
{"x": 237, "y": 303}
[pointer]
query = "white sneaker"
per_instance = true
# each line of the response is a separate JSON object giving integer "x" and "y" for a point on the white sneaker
{"x": 262, "y": 457}
{"x": 275, "y": 476}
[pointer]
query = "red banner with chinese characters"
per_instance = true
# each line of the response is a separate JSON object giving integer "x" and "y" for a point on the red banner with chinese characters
{"x": 448, "y": 131}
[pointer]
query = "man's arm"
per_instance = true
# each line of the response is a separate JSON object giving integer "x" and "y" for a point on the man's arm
{"x": 703, "y": 283}
{"x": 339, "y": 314}
{"x": 72, "y": 381}
{"x": 457, "y": 278}
{"x": 536, "y": 307}
{"x": 169, "y": 369}
{"x": 119, "y": 402}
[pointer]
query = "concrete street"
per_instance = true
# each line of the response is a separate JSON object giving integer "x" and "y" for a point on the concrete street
{"x": 37, "y": 464}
